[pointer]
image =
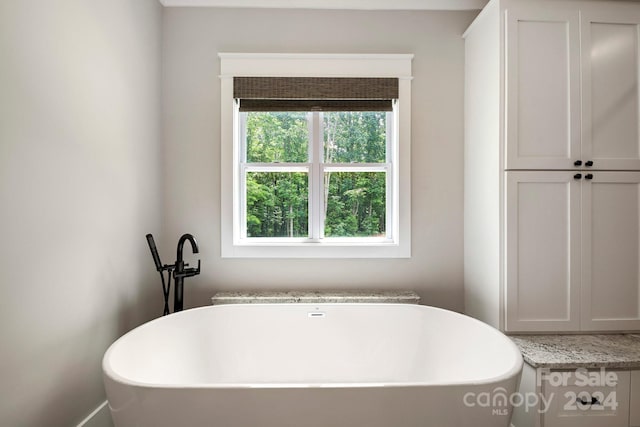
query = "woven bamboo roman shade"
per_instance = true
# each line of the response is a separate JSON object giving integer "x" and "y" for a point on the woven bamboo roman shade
{"x": 315, "y": 93}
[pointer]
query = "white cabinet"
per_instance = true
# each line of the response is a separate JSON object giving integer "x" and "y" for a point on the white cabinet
{"x": 552, "y": 89}
{"x": 610, "y": 87}
{"x": 572, "y": 251}
{"x": 611, "y": 251}
{"x": 634, "y": 416}
{"x": 555, "y": 121}
{"x": 578, "y": 398}
{"x": 542, "y": 87}
{"x": 574, "y": 404}
{"x": 542, "y": 251}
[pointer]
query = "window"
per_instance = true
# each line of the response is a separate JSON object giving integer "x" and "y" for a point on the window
{"x": 316, "y": 176}
{"x": 318, "y": 167}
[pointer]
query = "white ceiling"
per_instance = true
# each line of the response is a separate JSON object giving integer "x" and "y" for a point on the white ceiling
{"x": 336, "y": 4}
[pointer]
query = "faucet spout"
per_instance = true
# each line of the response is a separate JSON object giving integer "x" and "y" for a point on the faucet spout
{"x": 181, "y": 272}
{"x": 183, "y": 239}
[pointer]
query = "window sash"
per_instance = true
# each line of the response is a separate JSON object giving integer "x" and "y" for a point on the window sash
{"x": 248, "y": 168}
{"x": 315, "y": 170}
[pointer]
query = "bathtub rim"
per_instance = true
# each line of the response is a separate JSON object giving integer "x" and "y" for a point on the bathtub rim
{"x": 109, "y": 372}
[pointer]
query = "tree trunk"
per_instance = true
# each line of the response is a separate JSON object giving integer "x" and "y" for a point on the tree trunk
{"x": 328, "y": 157}
{"x": 290, "y": 221}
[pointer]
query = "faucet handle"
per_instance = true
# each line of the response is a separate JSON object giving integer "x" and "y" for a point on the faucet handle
{"x": 194, "y": 271}
{"x": 188, "y": 272}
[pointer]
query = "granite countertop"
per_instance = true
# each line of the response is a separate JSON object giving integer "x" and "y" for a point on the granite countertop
{"x": 621, "y": 351}
{"x": 315, "y": 297}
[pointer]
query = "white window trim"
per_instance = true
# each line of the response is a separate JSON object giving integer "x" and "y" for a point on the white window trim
{"x": 314, "y": 65}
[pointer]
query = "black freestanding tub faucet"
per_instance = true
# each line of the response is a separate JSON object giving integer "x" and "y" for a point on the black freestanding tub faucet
{"x": 181, "y": 272}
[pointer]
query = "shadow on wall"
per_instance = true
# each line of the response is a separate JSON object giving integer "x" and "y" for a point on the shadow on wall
{"x": 78, "y": 374}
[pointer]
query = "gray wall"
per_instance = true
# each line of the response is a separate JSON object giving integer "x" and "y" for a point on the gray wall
{"x": 89, "y": 88}
{"x": 80, "y": 169}
{"x": 192, "y": 38}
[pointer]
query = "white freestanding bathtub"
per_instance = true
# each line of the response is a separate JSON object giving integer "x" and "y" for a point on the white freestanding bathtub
{"x": 304, "y": 365}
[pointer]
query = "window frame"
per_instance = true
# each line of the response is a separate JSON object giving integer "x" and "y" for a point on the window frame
{"x": 234, "y": 242}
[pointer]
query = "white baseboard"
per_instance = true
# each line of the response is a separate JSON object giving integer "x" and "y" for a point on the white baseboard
{"x": 100, "y": 417}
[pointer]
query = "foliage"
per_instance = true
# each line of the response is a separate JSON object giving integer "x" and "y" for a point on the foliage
{"x": 354, "y": 137}
{"x": 277, "y": 202}
{"x": 356, "y": 204}
{"x": 277, "y": 137}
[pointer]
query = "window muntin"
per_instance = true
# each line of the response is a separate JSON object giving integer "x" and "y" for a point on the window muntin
{"x": 346, "y": 160}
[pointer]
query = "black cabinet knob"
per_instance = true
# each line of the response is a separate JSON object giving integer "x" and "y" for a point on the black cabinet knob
{"x": 578, "y": 163}
{"x": 589, "y": 163}
{"x": 583, "y": 402}
{"x": 577, "y": 176}
{"x": 588, "y": 176}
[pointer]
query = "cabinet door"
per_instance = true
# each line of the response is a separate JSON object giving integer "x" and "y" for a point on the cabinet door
{"x": 570, "y": 399}
{"x": 542, "y": 87}
{"x": 542, "y": 251}
{"x": 611, "y": 251}
{"x": 611, "y": 86}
